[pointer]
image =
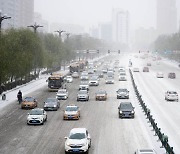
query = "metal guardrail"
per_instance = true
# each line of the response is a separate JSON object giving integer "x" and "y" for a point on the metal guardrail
{"x": 162, "y": 137}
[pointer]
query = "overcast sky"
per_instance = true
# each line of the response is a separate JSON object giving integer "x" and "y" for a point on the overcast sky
{"x": 91, "y": 12}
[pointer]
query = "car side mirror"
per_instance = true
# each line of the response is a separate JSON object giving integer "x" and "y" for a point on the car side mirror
{"x": 88, "y": 138}
{"x": 118, "y": 107}
{"x": 28, "y": 114}
{"x": 66, "y": 138}
{"x": 133, "y": 107}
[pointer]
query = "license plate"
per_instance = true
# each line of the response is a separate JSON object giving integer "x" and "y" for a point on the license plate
{"x": 34, "y": 121}
{"x": 75, "y": 150}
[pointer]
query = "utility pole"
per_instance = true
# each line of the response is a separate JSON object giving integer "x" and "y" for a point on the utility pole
{"x": 35, "y": 27}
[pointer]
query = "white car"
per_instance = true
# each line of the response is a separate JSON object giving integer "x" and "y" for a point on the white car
{"x": 171, "y": 96}
{"x": 93, "y": 82}
{"x": 78, "y": 141}
{"x": 135, "y": 69}
{"x": 75, "y": 75}
{"x": 84, "y": 85}
{"x": 122, "y": 76}
{"x": 69, "y": 79}
{"x": 110, "y": 80}
{"x": 160, "y": 75}
{"x": 145, "y": 151}
{"x": 62, "y": 94}
{"x": 37, "y": 116}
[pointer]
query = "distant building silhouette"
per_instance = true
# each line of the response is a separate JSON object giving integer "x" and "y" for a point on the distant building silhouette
{"x": 120, "y": 26}
{"x": 20, "y": 11}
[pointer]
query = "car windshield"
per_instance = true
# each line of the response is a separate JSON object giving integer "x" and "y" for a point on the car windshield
{"x": 101, "y": 92}
{"x": 77, "y": 136}
{"x": 84, "y": 83}
{"x": 29, "y": 99}
{"x": 84, "y": 74}
{"x": 72, "y": 108}
{"x": 83, "y": 92}
{"x": 122, "y": 73}
{"x": 61, "y": 91}
{"x": 172, "y": 92}
{"x": 122, "y": 90}
{"x": 126, "y": 106}
{"x": 36, "y": 112}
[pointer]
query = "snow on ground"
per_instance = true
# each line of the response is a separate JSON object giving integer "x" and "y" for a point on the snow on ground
{"x": 27, "y": 88}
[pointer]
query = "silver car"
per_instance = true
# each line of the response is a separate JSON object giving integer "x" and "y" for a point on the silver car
{"x": 83, "y": 95}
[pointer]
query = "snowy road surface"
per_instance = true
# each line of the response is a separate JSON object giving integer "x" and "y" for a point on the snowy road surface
{"x": 110, "y": 135}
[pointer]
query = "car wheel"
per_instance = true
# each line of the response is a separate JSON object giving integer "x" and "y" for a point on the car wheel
{"x": 66, "y": 152}
{"x": 177, "y": 100}
{"x": 46, "y": 118}
{"x": 87, "y": 152}
{"x": 42, "y": 123}
{"x": 89, "y": 144}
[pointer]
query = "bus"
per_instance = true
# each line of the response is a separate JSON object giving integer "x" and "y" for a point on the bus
{"x": 55, "y": 81}
{"x": 77, "y": 66}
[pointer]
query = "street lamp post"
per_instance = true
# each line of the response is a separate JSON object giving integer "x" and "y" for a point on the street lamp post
{"x": 60, "y": 32}
{"x": 35, "y": 27}
{"x": 67, "y": 35}
{"x": 2, "y": 17}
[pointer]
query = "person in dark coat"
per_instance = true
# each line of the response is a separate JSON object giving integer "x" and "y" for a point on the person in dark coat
{"x": 19, "y": 96}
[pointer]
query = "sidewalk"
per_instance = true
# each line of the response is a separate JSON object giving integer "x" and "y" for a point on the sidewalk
{"x": 27, "y": 88}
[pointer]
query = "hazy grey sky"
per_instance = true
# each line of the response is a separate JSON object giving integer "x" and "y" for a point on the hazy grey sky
{"x": 92, "y": 12}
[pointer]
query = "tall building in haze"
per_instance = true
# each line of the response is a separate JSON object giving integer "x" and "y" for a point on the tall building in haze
{"x": 166, "y": 16}
{"x": 20, "y": 11}
{"x": 120, "y": 26}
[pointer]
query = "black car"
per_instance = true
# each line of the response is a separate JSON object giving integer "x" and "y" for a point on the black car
{"x": 126, "y": 110}
{"x": 51, "y": 104}
{"x": 122, "y": 93}
{"x": 172, "y": 75}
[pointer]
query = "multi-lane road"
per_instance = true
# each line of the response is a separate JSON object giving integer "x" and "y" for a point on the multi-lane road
{"x": 110, "y": 135}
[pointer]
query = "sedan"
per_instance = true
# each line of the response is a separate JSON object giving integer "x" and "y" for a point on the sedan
{"x": 29, "y": 103}
{"x": 109, "y": 80}
{"x": 172, "y": 75}
{"x": 126, "y": 110}
{"x": 160, "y": 75}
{"x": 62, "y": 94}
{"x": 101, "y": 95}
{"x": 37, "y": 116}
{"x": 75, "y": 75}
{"x": 69, "y": 79}
{"x": 83, "y": 95}
{"x": 71, "y": 112}
{"x": 51, "y": 104}
{"x": 146, "y": 69}
{"x": 79, "y": 141}
{"x": 171, "y": 96}
{"x": 122, "y": 93}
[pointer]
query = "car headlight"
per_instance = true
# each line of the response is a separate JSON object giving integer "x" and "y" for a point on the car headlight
{"x": 54, "y": 105}
{"x": 132, "y": 111}
{"x": 120, "y": 111}
{"x": 67, "y": 143}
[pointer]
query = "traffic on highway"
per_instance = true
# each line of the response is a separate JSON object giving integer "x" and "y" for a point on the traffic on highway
{"x": 91, "y": 115}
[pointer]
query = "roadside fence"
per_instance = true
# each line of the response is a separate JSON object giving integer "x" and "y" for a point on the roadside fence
{"x": 162, "y": 137}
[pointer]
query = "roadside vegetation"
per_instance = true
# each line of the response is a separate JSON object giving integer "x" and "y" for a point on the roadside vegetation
{"x": 23, "y": 53}
{"x": 168, "y": 46}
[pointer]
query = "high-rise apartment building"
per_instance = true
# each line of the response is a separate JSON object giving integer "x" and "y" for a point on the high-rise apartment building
{"x": 120, "y": 26}
{"x": 166, "y": 16}
{"x": 20, "y": 11}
